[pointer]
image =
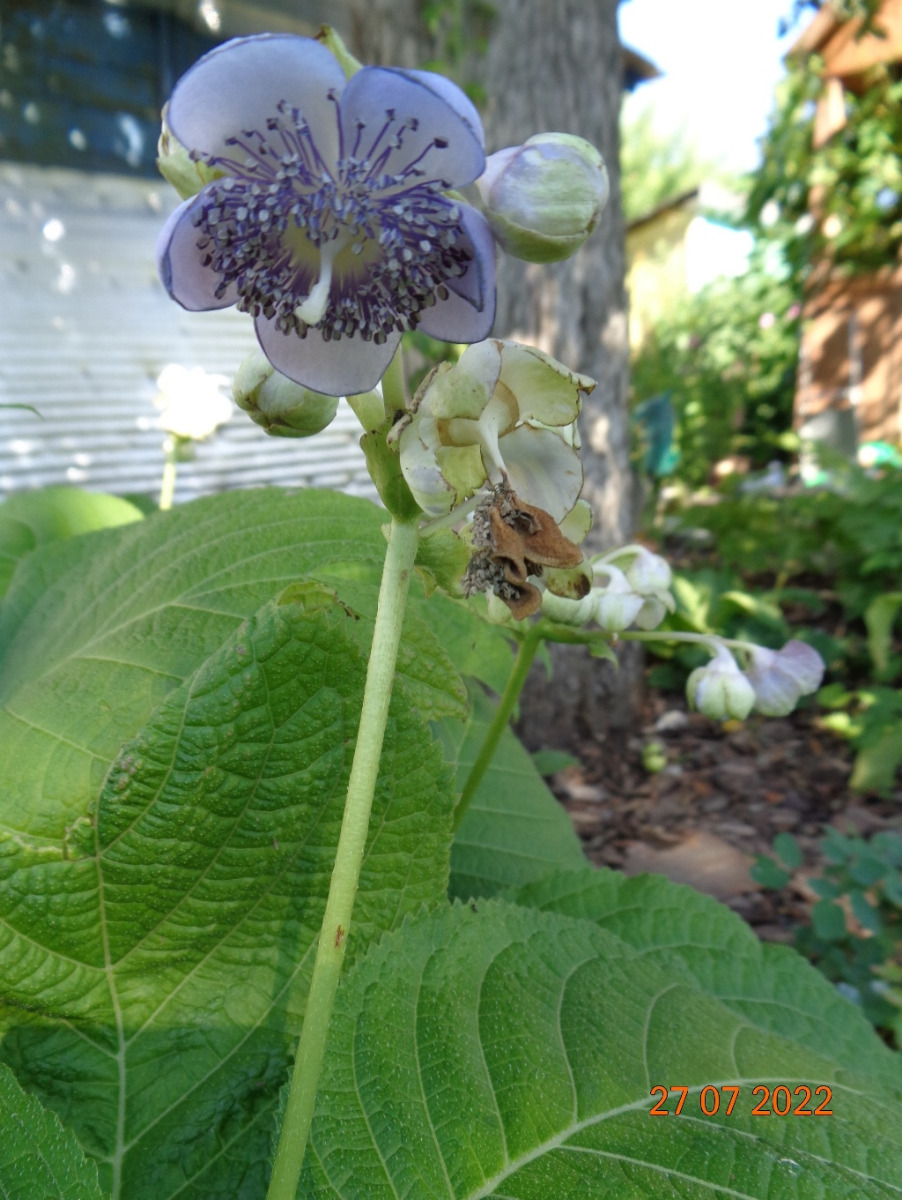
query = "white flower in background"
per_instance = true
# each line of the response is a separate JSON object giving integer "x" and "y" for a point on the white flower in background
{"x": 192, "y": 403}
{"x": 504, "y": 413}
{"x": 630, "y": 587}
{"x": 648, "y": 576}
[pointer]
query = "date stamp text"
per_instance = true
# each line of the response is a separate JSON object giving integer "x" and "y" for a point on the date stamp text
{"x": 779, "y": 1101}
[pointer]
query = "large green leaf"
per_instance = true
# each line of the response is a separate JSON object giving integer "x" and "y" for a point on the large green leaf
{"x": 515, "y": 831}
{"x": 39, "y": 1160}
{"x": 511, "y": 1053}
{"x": 98, "y": 630}
{"x": 32, "y": 519}
{"x": 426, "y": 671}
{"x": 693, "y": 937}
{"x": 153, "y": 968}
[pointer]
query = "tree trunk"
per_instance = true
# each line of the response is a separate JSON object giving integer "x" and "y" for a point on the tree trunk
{"x": 556, "y": 65}
{"x": 550, "y": 65}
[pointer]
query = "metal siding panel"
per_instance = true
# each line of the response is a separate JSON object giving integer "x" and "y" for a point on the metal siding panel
{"x": 86, "y": 328}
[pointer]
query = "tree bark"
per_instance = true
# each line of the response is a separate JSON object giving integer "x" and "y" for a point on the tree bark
{"x": 556, "y": 65}
{"x": 551, "y": 65}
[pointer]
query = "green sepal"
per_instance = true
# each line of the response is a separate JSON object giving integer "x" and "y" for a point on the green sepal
{"x": 384, "y": 467}
{"x": 442, "y": 559}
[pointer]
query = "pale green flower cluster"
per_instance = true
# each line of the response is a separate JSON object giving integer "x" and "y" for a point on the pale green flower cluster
{"x": 503, "y": 413}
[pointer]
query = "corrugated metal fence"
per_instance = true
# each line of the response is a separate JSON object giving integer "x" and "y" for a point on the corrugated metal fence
{"x": 86, "y": 328}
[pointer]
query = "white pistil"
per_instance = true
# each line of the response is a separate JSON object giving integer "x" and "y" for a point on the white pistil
{"x": 313, "y": 309}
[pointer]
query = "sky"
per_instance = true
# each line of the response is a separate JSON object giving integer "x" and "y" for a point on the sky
{"x": 721, "y": 61}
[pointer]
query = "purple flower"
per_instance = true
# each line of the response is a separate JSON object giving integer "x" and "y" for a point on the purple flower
{"x": 781, "y": 677}
{"x": 331, "y": 223}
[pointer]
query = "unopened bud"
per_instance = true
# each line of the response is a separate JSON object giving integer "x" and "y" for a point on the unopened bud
{"x": 544, "y": 198}
{"x": 720, "y": 690}
{"x": 186, "y": 174}
{"x": 283, "y": 408}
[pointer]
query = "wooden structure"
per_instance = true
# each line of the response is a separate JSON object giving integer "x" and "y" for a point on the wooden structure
{"x": 850, "y": 378}
{"x": 656, "y": 262}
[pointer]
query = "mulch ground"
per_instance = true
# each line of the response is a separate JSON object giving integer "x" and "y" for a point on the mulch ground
{"x": 721, "y": 796}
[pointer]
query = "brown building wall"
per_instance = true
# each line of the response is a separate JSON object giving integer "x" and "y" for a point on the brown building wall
{"x": 852, "y": 353}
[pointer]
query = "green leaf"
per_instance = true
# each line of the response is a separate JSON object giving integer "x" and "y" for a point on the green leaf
{"x": 877, "y": 762}
{"x": 39, "y": 1160}
{"x": 153, "y": 970}
{"x": 788, "y": 850}
{"x": 512, "y": 1053}
{"x": 32, "y": 519}
{"x": 479, "y": 649}
{"x": 693, "y": 937}
{"x": 879, "y": 617}
{"x": 825, "y": 888}
{"x": 829, "y": 921}
{"x": 865, "y": 912}
{"x": 515, "y": 831}
{"x": 425, "y": 669}
{"x": 768, "y": 873}
{"x": 549, "y": 762}
{"x": 95, "y": 632}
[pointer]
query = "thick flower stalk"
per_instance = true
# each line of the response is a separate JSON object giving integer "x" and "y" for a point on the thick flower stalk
{"x": 504, "y": 414}
{"x": 331, "y": 221}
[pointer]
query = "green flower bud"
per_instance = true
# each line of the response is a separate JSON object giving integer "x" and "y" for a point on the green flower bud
{"x": 720, "y": 690}
{"x": 284, "y": 408}
{"x": 544, "y": 198}
{"x": 186, "y": 174}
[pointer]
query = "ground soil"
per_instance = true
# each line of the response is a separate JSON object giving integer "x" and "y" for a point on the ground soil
{"x": 721, "y": 795}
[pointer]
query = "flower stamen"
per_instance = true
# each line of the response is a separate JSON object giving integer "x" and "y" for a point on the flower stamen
{"x": 277, "y": 224}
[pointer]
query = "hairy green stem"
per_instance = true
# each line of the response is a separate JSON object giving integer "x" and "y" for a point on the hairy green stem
{"x": 525, "y": 654}
{"x": 167, "y": 483}
{"x": 709, "y": 640}
{"x": 399, "y": 560}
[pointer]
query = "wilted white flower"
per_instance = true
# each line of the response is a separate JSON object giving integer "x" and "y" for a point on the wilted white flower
{"x": 503, "y": 413}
